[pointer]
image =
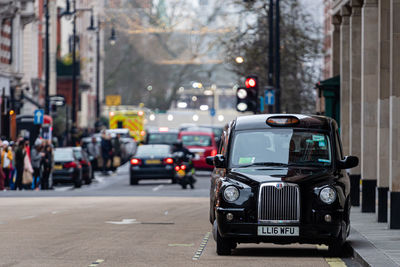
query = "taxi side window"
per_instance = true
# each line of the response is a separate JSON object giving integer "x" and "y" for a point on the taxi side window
{"x": 338, "y": 146}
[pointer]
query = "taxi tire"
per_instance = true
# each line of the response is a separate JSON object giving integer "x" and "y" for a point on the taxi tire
{"x": 224, "y": 246}
{"x": 335, "y": 249}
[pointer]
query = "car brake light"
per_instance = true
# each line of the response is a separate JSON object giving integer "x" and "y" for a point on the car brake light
{"x": 136, "y": 161}
{"x": 71, "y": 164}
{"x": 168, "y": 161}
{"x": 183, "y": 167}
{"x": 177, "y": 168}
{"x": 213, "y": 152}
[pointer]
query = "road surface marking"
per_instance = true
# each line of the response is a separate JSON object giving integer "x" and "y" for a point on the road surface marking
{"x": 333, "y": 262}
{"x": 202, "y": 247}
{"x": 157, "y": 223}
{"x": 124, "y": 221}
{"x": 158, "y": 187}
{"x": 95, "y": 263}
{"x": 181, "y": 245}
{"x": 28, "y": 217}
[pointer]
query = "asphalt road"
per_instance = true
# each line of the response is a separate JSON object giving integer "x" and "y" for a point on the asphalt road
{"x": 110, "y": 223}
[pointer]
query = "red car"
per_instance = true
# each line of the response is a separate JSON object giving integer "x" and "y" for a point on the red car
{"x": 202, "y": 144}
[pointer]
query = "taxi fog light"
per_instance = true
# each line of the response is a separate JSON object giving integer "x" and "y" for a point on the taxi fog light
{"x": 231, "y": 193}
{"x": 328, "y": 218}
{"x": 328, "y": 195}
{"x": 229, "y": 216}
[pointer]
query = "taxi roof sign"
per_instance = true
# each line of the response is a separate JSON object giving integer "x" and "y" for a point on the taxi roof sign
{"x": 282, "y": 121}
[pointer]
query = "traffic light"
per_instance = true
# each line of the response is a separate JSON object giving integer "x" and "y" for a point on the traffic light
{"x": 247, "y": 97}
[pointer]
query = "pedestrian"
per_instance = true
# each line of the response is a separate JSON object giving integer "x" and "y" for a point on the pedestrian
{"x": 117, "y": 152}
{"x": 36, "y": 160}
{"x": 47, "y": 166}
{"x": 12, "y": 166}
{"x": 2, "y": 176}
{"x": 94, "y": 153}
{"x": 19, "y": 164}
{"x": 6, "y": 158}
{"x": 106, "y": 150}
{"x": 27, "y": 176}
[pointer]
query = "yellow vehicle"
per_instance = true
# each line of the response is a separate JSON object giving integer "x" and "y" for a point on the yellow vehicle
{"x": 129, "y": 119}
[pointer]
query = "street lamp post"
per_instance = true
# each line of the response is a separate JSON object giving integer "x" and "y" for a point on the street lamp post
{"x": 74, "y": 65}
{"x": 112, "y": 42}
{"x": 98, "y": 70}
{"x": 47, "y": 70}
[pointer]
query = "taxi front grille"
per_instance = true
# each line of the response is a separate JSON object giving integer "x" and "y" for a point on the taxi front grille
{"x": 279, "y": 203}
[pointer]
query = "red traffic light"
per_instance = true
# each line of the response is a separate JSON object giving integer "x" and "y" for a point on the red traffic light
{"x": 251, "y": 82}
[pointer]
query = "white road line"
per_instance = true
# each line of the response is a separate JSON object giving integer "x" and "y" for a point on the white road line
{"x": 28, "y": 217}
{"x": 158, "y": 187}
{"x": 124, "y": 221}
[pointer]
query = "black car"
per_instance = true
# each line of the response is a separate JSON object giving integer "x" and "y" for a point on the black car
{"x": 152, "y": 162}
{"x": 162, "y": 135}
{"x": 280, "y": 179}
{"x": 67, "y": 168}
{"x": 84, "y": 161}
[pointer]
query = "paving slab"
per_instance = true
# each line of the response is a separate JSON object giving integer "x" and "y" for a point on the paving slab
{"x": 373, "y": 243}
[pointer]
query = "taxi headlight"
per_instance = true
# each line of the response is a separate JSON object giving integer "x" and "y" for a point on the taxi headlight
{"x": 231, "y": 193}
{"x": 328, "y": 195}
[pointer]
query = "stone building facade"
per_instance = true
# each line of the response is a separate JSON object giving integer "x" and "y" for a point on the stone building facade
{"x": 365, "y": 43}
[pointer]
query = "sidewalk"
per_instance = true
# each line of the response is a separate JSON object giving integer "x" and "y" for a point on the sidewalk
{"x": 373, "y": 243}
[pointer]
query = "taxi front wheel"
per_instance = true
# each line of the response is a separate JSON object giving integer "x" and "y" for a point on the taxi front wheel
{"x": 224, "y": 245}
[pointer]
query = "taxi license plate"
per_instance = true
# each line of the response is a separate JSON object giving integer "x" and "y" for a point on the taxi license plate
{"x": 278, "y": 230}
{"x": 153, "y": 161}
{"x": 58, "y": 167}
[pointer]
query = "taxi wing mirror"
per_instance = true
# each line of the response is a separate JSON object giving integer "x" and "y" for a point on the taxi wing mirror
{"x": 210, "y": 160}
{"x": 219, "y": 161}
{"x": 348, "y": 162}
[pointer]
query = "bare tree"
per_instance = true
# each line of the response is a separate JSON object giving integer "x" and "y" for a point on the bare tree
{"x": 301, "y": 51}
{"x": 163, "y": 46}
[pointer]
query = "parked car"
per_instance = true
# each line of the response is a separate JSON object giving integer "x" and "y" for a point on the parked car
{"x": 202, "y": 144}
{"x": 83, "y": 159}
{"x": 162, "y": 135}
{"x": 67, "y": 168}
{"x": 280, "y": 179}
{"x": 152, "y": 162}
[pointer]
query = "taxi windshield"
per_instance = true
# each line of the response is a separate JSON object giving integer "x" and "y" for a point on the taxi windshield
{"x": 280, "y": 147}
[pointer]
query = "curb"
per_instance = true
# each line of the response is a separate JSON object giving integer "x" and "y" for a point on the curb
{"x": 365, "y": 252}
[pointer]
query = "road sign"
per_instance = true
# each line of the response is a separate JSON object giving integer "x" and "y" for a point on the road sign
{"x": 38, "y": 116}
{"x": 212, "y": 112}
{"x": 270, "y": 97}
{"x": 113, "y": 100}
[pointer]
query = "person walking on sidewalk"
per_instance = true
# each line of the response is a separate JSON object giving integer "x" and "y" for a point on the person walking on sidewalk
{"x": 19, "y": 164}
{"x": 47, "y": 166}
{"x": 106, "y": 150}
{"x": 94, "y": 153}
{"x": 6, "y": 159}
{"x": 36, "y": 160}
{"x": 117, "y": 152}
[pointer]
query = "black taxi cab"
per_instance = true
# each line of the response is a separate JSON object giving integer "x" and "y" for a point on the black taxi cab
{"x": 280, "y": 178}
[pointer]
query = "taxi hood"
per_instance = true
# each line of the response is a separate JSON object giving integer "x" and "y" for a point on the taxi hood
{"x": 279, "y": 174}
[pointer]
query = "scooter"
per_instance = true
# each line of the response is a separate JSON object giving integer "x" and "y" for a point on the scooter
{"x": 184, "y": 171}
